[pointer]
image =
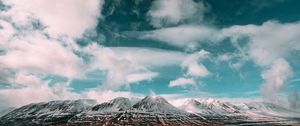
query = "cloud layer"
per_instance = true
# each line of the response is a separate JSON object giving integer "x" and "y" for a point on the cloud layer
{"x": 39, "y": 42}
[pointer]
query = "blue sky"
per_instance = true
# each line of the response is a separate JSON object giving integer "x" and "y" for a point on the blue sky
{"x": 103, "y": 49}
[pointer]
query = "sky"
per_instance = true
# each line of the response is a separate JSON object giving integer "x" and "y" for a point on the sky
{"x": 102, "y": 49}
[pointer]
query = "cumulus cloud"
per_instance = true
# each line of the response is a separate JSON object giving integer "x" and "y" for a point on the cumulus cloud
{"x": 194, "y": 68}
{"x": 29, "y": 53}
{"x": 268, "y": 42}
{"x": 182, "y": 82}
{"x": 172, "y": 12}
{"x": 124, "y": 66}
{"x": 6, "y": 32}
{"x": 33, "y": 90}
{"x": 276, "y": 78}
{"x": 106, "y": 95}
{"x": 264, "y": 44}
{"x": 69, "y": 17}
{"x": 268, "y": 46}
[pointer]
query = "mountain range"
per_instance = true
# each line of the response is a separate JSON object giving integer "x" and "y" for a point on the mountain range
{"x": 151, "y": 110}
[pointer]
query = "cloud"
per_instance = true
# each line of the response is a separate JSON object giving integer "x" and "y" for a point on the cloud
{"x": 6, "y": 32}
{"x": 106, "y": 95}
{"x": 264, "y": 44}
{"x": 294, "y": 100}
{"x": 194, "y": 68}
{"x": 171, "y": 12}
{"x": 124, "y": 66}
{"x": 137, "y": 77}
{"x": 268, "y": 42}
{"x": 186, "y": 36}
{"x": 182, "y": 82}
{"x": 276, "y": 77}
{"x": 268, "y": 46}
{"x": 150, "y": 57}
{"x": 69, "y": 17}
{"x": 28, "y": 53}
{"x": 33, "y": 90}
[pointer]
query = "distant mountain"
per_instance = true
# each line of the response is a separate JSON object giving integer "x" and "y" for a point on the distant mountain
{"x": 117, "y": 104}
{"x": 46, "y": 113}
{"x": 156, "y": 104}
{"x": 151, "y": 110}
{"x": 210, "y": 107}
{"x": 260, "y": 113}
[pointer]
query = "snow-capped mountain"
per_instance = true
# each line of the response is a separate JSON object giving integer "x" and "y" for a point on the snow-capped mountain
{"x": 156, "y": 104}
{"x": 117, "y": 104}
{"x": 233, "y": 113}
{"x": 5, "y": 110}
{"x": 151, "y": 110}
{"x": 46, "y": 113}
{"x": 269, "y": 109}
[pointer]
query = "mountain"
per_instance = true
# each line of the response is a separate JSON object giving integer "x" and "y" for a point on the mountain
{"x": 117, "y": 104}
{"x": 269, "y": 109}
{"x": 46, "y": 113}
{"x": 156, "y": 104}
{"x": 151, "y": 110}
{"x": 258, "y": 113}
{"x": 5, "y": 110}
{"x": 210, "y": 107}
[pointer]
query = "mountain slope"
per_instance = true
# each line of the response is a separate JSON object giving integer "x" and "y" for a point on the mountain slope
{"x": 5, "y": 110}
{"x": 156, "y": 104}
{"x": 52, "y": 112}
{"x": 151, "y": 110}
{"x": 117, "y": 104}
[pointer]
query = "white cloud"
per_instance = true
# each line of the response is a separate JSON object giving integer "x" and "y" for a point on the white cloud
{"x": 37, "y": 53}
{"x": 276, "y": 78}
{"x": 150, "y": 57}
{"x": 106, "y": 95}
{"x": 171, "y": 12}
{"x": 137, "y": 77}
{"x": 128, "y": 65}
{"x": 194, "y": 68}
{"x": 268, "y": 46}
{"x": 268, "y": 42}
{"x": 182, "y": 82}
{"x": 70, "y": 17}
{"x": 34, "y": 90}
{"x": 187, "y": 36}
{"x": 6, "y": 32}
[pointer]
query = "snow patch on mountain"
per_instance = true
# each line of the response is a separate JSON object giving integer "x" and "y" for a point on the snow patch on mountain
{"x": 117, "y": 104}
{"x": 5, "y": 110}
{"x": 156, "y": 104}
{"x": 52, "y": 108}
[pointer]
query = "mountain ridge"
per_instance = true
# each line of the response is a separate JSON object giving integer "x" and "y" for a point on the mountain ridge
{"x": 151, "y": 110}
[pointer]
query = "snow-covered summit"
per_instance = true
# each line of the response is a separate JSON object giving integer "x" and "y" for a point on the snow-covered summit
{"x": 117, "y": 104}
{"x": 156, "y": 104}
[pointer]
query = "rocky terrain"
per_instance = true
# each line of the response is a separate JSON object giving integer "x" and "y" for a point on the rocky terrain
{"x": 151, "y": 111}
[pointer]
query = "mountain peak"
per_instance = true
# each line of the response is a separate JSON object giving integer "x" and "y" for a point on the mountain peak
{"x": 117, "y": 104}
{"x": 156, "y": 104}
{"x": 153, "y": 98}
